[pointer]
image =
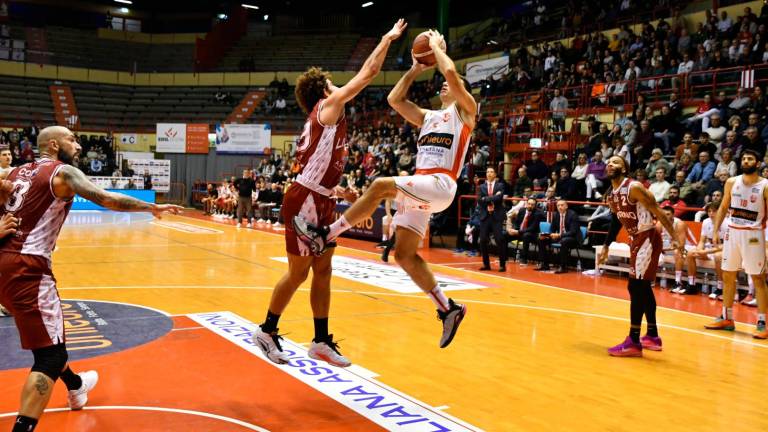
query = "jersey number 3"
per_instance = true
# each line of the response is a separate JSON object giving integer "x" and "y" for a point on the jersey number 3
{"x": 20, "y": 188}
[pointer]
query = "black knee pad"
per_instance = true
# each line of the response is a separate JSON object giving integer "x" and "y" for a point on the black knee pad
{"x": 50, "y": 361}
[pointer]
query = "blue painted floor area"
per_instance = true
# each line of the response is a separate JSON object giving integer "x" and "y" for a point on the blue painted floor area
{"x": 93, "y": 328}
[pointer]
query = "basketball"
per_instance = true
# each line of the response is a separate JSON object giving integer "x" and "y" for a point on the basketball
{"x": 421, "y": 50}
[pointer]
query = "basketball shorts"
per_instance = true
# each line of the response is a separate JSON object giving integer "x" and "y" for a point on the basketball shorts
{"x": 314, "y": 207}
{"x": 28, "y": 291}
{"x": 418, "y": 197}
{"x": 645, "y": 250}
{"x": 744, "y": 249}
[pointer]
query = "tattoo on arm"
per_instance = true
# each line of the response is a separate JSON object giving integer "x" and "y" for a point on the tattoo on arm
{"x": 41, "y": 385}
{"x": 81, "y": 185}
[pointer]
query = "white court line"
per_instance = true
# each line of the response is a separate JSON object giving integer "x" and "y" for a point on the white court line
{"x": 187, "y": 328}
{"x": 442, "y": 407}
{"x": 510, "y": 279}
{"x": 170, "y": 244}
{"x": 161, "y": 409}
{"x": 421, "y": 297}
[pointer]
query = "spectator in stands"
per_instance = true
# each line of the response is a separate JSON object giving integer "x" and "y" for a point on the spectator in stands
{"x": 525, "y": 227}
{"x": 675, "y": 202}
{"x": 644, "y": 142}
{"x": 595, "y": 176}
{"x": 405, "y": 161}
{"x": 726, "y": 162}
{"x": 565, "y": 231}
{"x": 703, "y": 113}
{"x": 753, "y": 142}
{"x": 5, "y": 160}
{"x": 705, "y": 145}
{"x": 642, "y": 177}
{"x": 596, "y": 140}
{"x": 688, "y": 147}
{"x": 537, "y": 169}
{"x": 580, "y": 170}
{"x": 566, "y": 187}
{"x": 660, "y": 187}
{"x": 716, "y": 184}
{"x": 621, "y": 148}
{"x": 715, "y": 131}
{"x": 559, "y": 107}
{"x": 740, "y": 103}
{"x": 700, "y": 175}
{"x": 657, "y": 161}
{"x": 523, "y": 182}
{"x": 606, "y": 150}
{"x": 664, "y": 128}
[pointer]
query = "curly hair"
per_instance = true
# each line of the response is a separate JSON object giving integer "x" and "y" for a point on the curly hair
{"x": 310, "y": 88}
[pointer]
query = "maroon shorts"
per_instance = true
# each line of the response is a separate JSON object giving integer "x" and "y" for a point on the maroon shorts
{"x": 28, "y": 291}
{"x": 645, "y": 249}
{"x": 315, "y": 208}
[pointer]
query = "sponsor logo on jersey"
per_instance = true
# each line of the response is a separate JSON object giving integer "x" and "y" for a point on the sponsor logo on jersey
{"x": 626, "y": 215}
{"x": 753, "y": 199}
{"x": 743, "y": 214}
{"x": 444, "y": 140}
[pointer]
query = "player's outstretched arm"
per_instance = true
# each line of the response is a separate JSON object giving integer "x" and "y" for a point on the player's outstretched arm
{"x": 464, "y": 99}
{"x": 398, "y": 97}
{"x": 334, "y": 104}
{"x": 71, "y": 181}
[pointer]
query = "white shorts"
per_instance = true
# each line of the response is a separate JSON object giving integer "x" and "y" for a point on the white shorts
{"x": 671, "y": 253}
{"x": 744, "y": 249}
{"x": 418, "y": 197}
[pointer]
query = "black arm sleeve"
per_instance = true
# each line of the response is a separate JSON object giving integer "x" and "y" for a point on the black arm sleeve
{"x": 613, "y": 230}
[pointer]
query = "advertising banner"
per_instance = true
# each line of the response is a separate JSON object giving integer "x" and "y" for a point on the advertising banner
{"x": 478, "y": 71}
{"x": 370, "y": 228}
{"x": 243, "y": 138}
{"x": 160, "y": 170}
{"x": 171, "y": 137}
{"x": 197, "y": 138}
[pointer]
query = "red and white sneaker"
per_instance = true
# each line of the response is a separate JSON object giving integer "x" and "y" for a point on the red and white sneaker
{"x": 78, "y": 398}
{"x": 328, "y": 351}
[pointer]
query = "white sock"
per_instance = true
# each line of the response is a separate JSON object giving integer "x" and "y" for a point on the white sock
{"x": 760, "y": 317}
{"x": 751, "y": 284}
{"x": 691, "y": 280}
{"x": 727, "y": 313}
{"x": 678, "y": 276}
{"x": 338, "y": 227}
{"x": 439, "y": 298}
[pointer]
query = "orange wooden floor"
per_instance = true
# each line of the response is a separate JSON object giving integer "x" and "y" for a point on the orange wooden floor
{"x": 169, "y": 306}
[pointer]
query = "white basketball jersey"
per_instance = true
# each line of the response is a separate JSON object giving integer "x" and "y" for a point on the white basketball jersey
{"x": 442, "y": 143}
{"x": 747, "y": 210}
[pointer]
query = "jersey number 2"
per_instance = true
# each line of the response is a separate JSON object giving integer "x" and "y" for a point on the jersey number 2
{"x": 20, "y": 188}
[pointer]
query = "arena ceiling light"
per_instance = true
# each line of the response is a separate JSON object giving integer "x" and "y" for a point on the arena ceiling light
{"x": 124, "y": 10}
{"x": 247, "y": 6}
{"x": 366, "y": 4}
{"x": 124, "y": 1}
{"x": 266, "y": 17}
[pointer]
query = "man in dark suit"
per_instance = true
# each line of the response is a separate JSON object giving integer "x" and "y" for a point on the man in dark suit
{"x": 525, "y": 227}
{"x": 492, "y": 216}
{"x": 565, "y": 230}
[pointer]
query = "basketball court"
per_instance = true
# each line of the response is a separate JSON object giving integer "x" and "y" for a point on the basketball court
{"x": 163, "y": 310}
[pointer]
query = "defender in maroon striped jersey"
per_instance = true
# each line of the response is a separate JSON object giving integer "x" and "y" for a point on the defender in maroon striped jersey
{"x": 31, "y": 216}
{"x": 321, "y": 153}
{"x": 634, "y": 207}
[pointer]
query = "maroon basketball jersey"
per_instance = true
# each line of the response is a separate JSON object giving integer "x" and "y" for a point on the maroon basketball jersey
{"x": 321, "y": 151}
{"x": 41, "y": 214}
{"x": 634, "y": 216}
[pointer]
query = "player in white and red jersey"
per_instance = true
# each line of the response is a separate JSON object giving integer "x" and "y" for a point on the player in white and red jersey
{"x": 40, "y": 197}
{"x": 683, "y": 236}
{"x": 442, "y": 147}
{"x": 321, "y": 153}
{"x": 744, "y": 204}
{"x": 633, "y": 207}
